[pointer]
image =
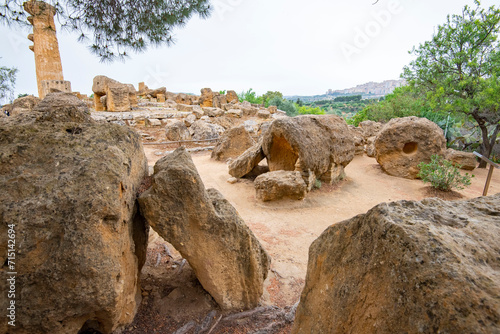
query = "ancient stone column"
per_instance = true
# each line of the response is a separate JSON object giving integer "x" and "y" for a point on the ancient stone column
{"x": 46, "y": 49}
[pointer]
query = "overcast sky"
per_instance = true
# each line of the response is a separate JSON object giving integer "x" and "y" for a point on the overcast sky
{"x": 296, "y": 47}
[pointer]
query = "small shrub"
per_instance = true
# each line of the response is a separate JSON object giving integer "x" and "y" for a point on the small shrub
{"x": 442, "y": 175}
{"x": 317, "y": 184}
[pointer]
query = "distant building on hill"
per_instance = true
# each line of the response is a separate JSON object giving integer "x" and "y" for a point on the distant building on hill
{"x": 370, "y": 89}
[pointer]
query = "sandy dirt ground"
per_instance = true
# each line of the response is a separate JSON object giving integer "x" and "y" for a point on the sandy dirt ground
{"x": 285, "y": 228}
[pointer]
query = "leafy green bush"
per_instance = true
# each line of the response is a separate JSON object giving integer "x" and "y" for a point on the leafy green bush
{"x": 442, "y": 175}
{"x": 287, "y": 106}
{"x": 251, "y": 97}
{"x": 310, "y": 111}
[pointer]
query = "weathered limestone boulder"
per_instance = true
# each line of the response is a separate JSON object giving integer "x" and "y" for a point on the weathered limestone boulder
{"x": 246, "y": 162}
{"x": 23, "y": 104}
{"x": 273, "y": 109}
{"x": 359, "y": 140}
{"x": 247, "y": 109}
{"x": 219, "y": 100}
{"x": 465, "y": 159}
{"x": 176, "y": 130}
{"x": 263, "y": 113}
{"x": 69, "y": 186}
{"x": 225, "y": 121}
{"x": 370, "y": 128}
{"x": 319, "y": 147}
{"x": 189, "y": 120}
{"x": 406, "y": 267}
{"x": 232, "y": 144}
{"x": 158, "y": 91}
{"x": 185, "y": 107}
{"x": 119, "y": 97}
{"x": 280, "y": 184}
{"x": 161, "y": 98}
{"x": 183, "y": 99}
{"x": 232, "y": 97}
{"x": 236, "y": 113}
{"x": 403, "y": 143}
{"x": 201, "y": 130}
{"x": 370, "y": 147}
{"x": 213, "y": 112}
{"x": 207, "y": 97}
{"x": 226, "y": 257}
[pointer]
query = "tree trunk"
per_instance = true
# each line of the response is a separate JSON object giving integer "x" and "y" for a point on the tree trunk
{"x": 488, "y": 143}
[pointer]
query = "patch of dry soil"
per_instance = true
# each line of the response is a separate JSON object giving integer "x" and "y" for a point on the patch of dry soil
{"x": 286, "y": 229}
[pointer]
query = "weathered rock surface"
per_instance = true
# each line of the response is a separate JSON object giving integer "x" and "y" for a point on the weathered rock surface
{"x": 232, "y": 144}
{"x": 263, "y": 114}
{"x": 370, "y": 147}
{"x": 226, "y": 257}
{"x": 232, "y": 97}
{"x": 201, "y": 130}
{"x": 359, "y": 140}
{"x": 177, "y": 130}
{"x": 246, "y": 162}
{"x": 317, "y": 146}
{"x": 206, "y": 98}
{"x": 406, "y": 267}
{"x": 119, "y": 97}
{"x": 281, "y": 184}
{"x": 465, "y": 159}
{"x": 69, "y": 186}
{"x": 403, "y": 143}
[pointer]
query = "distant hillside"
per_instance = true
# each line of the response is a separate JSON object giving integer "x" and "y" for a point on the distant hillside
{"x": 370, "y": 90}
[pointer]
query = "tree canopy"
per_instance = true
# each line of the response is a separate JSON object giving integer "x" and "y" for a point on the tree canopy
{"x": 459, "y": 69}
{"x": 7, "y": 81}
{"x": 113, "y": 28}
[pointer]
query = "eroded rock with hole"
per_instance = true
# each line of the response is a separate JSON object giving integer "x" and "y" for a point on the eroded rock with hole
{"x": 280, "y": 184}
{"x": 69, "y": 186}
{"x": 228, "y": 260}
{"x": 317, "y": 146}
{"x": 232, "y": 144}
{"x": 403, "y": 143}
{"x": 406, "y": 267}
{"x": 466, "y": 160}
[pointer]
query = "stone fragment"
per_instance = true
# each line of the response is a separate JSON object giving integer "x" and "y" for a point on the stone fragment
{"x": 117, "y": 98}
{"x": 319, "y": 147}
{"x": 232, "y": 180}
{"x": 201, "y": 130}
{"x": 206, "y": 98}
{"x": 176, "y": 130}
{"x": 406, "y": 267}
{"x": 190, "y": 120}
{"x": 273, "y": 109}
{"x": 213, "y": 112}
{"x": 370, "y": 147}
{"x": 154, "y": 122}
{"x": 251, "y": 126}
{"x": 236, "y": 113}
{"x": 403, "y": 143}
{"x": 226, "y": 257}
{"x": 273, "y": 186}
{"x": 232, "y": 144}
{"x": 232, "y": 97}
{"x": 359, "y": 140}
{"x": 185, "y": 107}
{"x": 465, "y": 159}
{"x": 246, "y": 162}
{"x": 160, "y": 98}
{"x": 263, "y": 114}
{"x": 69, "y": 186}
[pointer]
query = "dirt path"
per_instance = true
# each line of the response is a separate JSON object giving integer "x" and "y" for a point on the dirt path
{"x": 287, "y": 228}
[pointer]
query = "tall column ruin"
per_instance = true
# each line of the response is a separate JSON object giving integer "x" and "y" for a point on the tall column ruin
{"x": 49, "y": 73}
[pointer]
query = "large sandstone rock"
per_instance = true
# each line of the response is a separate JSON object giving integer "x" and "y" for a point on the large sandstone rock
{"x": 232, "y": 97}
{"x": 359, "y": 139}
{"x": 201, "y": 130}
{"x": 465, "y": 159}
{"x": 317, "y": 146}
{"x": 281, "y": 184}
{"x": 403, "y": 143}
{"x": 246, "y": 162}
{"x": 23, "y": 104}
{"x": 232, "y": 144}
{"x": 176, "y": 130}
{"x": 119, "y": 97}
{"x": 406, "y": 267}
{"x": 226, "y": 257}
{"x": 69, "y": 186}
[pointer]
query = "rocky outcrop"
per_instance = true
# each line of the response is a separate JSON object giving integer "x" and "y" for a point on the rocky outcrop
{"x": 403, "y": 143}
{"x": 359, "y": 139}
{"x": 317, "y": 146}
{"x": 281, "y": 184}
{"x": 232, "y": 144}
{"x": 406, "y": 267}
{"x": 176, "y": 130}
{"x": 232, "y": 97}
{"x": 465, "y": 160}
{"x": 246, "y": 162}
{"x": 69, "y": 186}
{"x": 226, "y": 257}
{"x": 201, "y": 130}
{"x": 206, "y": 98}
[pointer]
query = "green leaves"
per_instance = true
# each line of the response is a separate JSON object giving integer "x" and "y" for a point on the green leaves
{"x": 442, "y": 175}
{"x": 117, "y": 26}
{"x": 7, "y": 82}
